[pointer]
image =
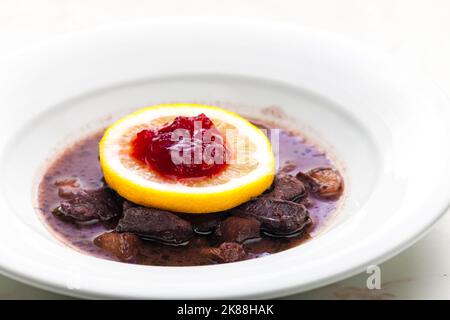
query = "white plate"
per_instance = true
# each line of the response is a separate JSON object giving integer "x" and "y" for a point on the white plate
{"x": 387, "y": 126}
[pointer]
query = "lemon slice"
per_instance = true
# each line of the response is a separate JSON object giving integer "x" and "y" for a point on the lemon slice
{"x": 249, "y": 172}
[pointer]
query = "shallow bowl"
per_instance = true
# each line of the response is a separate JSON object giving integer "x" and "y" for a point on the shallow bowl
{"x": 385, "y": 125}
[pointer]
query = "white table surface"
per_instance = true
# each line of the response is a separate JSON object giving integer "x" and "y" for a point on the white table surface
{"x": 415, "y": 31}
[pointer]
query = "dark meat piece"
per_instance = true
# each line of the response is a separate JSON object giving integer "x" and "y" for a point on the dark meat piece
{"x": 86, "y": 206}
{"x": 206, "y": 227}
{"x": 227, "y": 252}
{"x": 125, "y": 246}
{"x": 156, "y": 224}
{"x": 277, "y": 217}
{"x": 325, "y": 183}
{"x": 238, "y": 229}
{"x": 205, "y": 224}
{"x": 287, "y": 187}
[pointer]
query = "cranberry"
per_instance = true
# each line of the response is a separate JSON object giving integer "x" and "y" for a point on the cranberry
{"x": 186, "y": 148}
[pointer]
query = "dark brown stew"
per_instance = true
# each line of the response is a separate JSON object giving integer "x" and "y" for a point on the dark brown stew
{"x": 84, "y": 213}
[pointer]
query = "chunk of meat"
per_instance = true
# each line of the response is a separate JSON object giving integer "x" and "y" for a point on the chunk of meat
{"x": 238, "y": 229}
{"x": 86, "y": 206}
{"x": 206, "y": 227}
{"x": 277, "y": 217}
{"x": 287, "y": 187}
{"x": 325, "y": 183}
{"x": 125, "y": 246}
{"x": 205, "y": 224}
{"x": 227, "y": 252}
{"x": 155, "y": 224}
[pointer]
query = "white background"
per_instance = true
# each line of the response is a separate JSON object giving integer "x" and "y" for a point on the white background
{"x": 415, "y": 31}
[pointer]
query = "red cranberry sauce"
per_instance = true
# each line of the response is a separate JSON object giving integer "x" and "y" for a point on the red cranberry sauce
{"x": 188, "y": 147}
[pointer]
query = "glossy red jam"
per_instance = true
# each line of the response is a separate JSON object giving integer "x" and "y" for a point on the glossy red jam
{"x": 188, "y": 147}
